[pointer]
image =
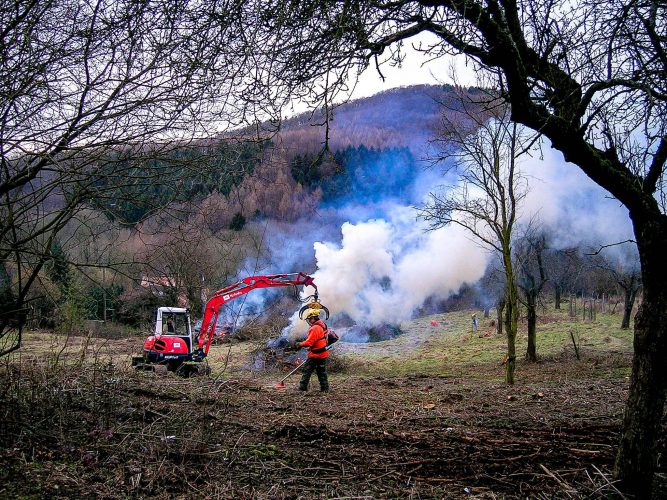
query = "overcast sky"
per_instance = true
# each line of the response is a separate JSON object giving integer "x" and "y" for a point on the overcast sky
{"x": 416, "y": 69}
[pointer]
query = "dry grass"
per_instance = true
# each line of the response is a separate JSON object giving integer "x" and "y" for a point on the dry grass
{"x": 450, "y": 349}
{"x": 424, "y": 415}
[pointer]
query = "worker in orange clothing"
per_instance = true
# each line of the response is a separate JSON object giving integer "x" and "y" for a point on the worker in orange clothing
{"x": 316, "y": 342}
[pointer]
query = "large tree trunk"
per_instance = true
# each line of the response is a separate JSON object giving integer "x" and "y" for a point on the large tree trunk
{"x": 637, "y": 456}
{"x": 531, "y": 313}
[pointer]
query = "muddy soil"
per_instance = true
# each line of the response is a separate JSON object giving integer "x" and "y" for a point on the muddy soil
{"x": 113, "y": 433}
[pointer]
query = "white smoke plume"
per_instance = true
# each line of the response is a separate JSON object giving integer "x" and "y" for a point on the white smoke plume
{"x": 384, "y": 270}
{"x": 570, "y": 206}
{"x": 383, "y": 265}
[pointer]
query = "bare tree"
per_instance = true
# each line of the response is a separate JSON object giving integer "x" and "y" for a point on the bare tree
{"x": 623, "y": 267}
{"x": 91, "y": 93}
{"x": 564, "y": 268}
{"x": 484, "y": 146}
{"x": 531, "y": 280}
{"x": 589, "y": 76}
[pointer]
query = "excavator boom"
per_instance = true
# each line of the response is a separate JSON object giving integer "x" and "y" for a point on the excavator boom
{"x": 224, "y": 295}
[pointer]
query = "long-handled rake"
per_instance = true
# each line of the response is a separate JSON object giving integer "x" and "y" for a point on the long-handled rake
{"x": 281, "y": 384}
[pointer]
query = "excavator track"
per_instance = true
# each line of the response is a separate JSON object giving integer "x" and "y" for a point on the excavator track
{"x": 185, "y": 370}
{"x": 188, "y": 370}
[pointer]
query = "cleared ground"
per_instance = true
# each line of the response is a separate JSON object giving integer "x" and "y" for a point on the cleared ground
{"x": 425, "y": 415}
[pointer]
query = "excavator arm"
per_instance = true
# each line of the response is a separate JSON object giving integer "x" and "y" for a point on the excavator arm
{"x": 231, "y": 292}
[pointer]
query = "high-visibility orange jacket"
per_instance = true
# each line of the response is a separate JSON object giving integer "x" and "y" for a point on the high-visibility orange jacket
{"x": 316, "y": 340}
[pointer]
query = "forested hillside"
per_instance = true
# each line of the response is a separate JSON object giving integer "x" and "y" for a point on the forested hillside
{"x": 375, "y": 144}
{"x": 402, "y": 117}
{"x": 185, "y": 219}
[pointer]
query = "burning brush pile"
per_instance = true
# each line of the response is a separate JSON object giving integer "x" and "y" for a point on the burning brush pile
{"x": 280, "y": 352}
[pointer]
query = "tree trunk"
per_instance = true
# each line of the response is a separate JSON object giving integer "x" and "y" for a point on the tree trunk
{"x": 511, "y": 316}
{"x": 500, "y": 307}
{"x": 558, "y": 297}
{"x": 531, "y": 313}
{"x": 630, "y": 295}
{"x": 508, "y": 317}
{"x": 637, "y": 456}
{"x": 510, "y": 364}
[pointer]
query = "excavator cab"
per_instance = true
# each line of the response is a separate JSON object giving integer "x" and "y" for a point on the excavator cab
{"x": 172, "y": 342}
{"x": 172, "y": 321}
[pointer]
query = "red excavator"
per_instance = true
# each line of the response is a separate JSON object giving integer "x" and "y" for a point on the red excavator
{"x": 174, "y": 344}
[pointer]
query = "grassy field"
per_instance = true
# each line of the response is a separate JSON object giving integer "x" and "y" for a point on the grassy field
{"x": 435, "y": 345}
{"x": 452, "y": 349}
